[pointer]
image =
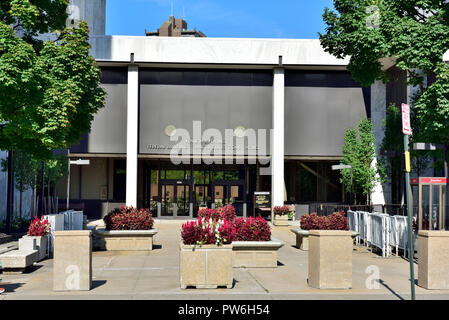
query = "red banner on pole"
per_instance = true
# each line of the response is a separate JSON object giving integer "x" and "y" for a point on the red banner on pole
{"x": 406, "y": 128}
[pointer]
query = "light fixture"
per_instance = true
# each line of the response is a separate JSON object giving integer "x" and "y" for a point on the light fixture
{"x": 239, "y": 131}
{"x": 170, "y": 130}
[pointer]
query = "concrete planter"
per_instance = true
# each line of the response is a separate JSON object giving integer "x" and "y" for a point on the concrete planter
{"x": 126, "y": 240}
{"x": 281, "y": 220}
{"x": 72, "y": 261}
{"x": 35, "y": 243}
{"x": 256, "y": 254}
{"x": 433, "y": 259}
{"x": 302, "y": 238}
{"x": 207, "y": 266}
{"x": 330, "y": 259}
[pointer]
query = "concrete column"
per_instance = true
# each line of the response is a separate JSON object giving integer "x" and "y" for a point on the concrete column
{"x": 132, "y": 135}
{"x": 277, "y": 141}
{"x": 381, "y": 193}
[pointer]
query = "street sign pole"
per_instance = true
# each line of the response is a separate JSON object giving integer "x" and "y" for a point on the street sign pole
{"x": 406, "y": 129}
{"x": 68, "y": 180}
{"x": 410, "y": 214}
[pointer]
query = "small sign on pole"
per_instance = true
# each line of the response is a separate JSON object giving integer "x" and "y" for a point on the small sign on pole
{"x": 406, "y": 128}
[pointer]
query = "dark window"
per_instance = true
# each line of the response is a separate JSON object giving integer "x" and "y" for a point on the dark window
{"x": 119, "y": 180}
{"x": 195, "y": 77}
{"x": 114, "y": 75}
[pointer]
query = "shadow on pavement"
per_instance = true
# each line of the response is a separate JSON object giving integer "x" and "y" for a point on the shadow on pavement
{"x": 97, "y": 283}
{"x": 391, "y": 290}
{"x": 10, "y": 287}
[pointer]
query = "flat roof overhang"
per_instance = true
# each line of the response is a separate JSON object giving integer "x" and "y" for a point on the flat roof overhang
{"x": 167, "y": 156}
{"x": 149, "y": 64}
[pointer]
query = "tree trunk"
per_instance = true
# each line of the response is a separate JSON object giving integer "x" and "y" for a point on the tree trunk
{"x": 33, "y": 212}
{"x": 20, "y": 203}
{"x": 48, "y": 197}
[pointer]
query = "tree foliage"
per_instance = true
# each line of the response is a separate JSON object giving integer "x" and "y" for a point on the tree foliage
{"x": 415, "y": 34}
{"x": 49, "y": 91}
{"x": 359, "y": 151}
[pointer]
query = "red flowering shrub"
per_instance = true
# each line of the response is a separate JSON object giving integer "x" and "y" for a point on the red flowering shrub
{"x": 39, "y": 227}
{"x": 336, "y": 221}
{"x": 226, "y": 231}
{"x": 224, "y": 213}
{"x": 204, "y": 232}
{"x": 281, "y": 211}
{"x": 227, "y": 212}
{"x": 252, "y": 229}
{"x": 207, "y": 214}
{"x": 129, "y": 218}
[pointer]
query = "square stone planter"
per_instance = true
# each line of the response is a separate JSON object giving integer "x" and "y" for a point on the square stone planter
{"x": 256, "y": 254}
{"x": 433, "y": 259}
{"x": 281, "y": 220}
{"x": 35, "y": 243}
{"x": 330, "y": 259}
{"x": 72, "y": 261}
{"x": 207, "y": 266}
{"x": 126, "y": 240}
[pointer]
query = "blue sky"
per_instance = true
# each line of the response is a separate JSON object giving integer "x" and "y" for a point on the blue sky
{"x": 221, "y": 18}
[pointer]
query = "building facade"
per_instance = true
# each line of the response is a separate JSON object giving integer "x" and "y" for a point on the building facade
{"x": 288, "y": 100}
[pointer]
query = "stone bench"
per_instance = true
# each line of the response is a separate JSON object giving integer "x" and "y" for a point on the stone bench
{"x": 128, "y": 240}
{"x": 256, "y": 254}
{"x": 18, "y": 260}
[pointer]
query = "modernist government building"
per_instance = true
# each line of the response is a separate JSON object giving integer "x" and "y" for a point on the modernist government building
{"x": 167, "y": 81}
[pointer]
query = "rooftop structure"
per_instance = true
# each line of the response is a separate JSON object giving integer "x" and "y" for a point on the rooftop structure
{"x": 175, "y": 28}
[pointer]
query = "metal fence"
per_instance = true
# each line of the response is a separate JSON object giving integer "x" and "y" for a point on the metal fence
{"x": 379, "y": 230}
{"x": 327, "y": 209}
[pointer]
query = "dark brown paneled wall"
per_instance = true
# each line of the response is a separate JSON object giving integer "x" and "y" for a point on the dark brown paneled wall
{"x": 396, "y": 87}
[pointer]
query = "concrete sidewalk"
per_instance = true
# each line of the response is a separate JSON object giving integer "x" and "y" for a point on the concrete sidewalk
{"x": 155, "y": 275}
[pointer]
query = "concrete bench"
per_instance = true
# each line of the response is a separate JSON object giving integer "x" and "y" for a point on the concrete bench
{"x": 256, "y": 254}
{"x": 18, "y": 260}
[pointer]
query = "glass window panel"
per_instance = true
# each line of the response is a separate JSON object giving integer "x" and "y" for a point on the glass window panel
{"x": 306, "y": 182}
{"x": 435, "y": 207}
{"x": 218, "y": 175}
{"x": 175, "y": 175}
{"x": 199, "y": 177}
{"x": 415, "y": 195}
{"x": 425, "y": 207}
{"x": 231, "y": 175}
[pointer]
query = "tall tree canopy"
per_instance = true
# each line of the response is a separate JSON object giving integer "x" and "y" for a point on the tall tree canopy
{"x": 359, "y": 151}
{"x": 414, "y": 33}
{"x": 49, "y": 90}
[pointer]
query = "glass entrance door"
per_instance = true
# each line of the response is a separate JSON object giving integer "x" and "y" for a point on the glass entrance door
{"x": 183, "y": 200}
{"x": 167, "y": 200}
{"x": 175, "y": 200}
{"x": 229, "y": 193}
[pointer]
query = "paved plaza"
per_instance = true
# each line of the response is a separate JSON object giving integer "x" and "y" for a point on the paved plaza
{"x": 155, "y": 275}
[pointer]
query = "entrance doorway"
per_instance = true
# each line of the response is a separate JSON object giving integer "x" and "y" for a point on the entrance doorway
{"x": 230, "y": 192}
{"x": 181, "y": 191}
{"x": 175, "y": 199}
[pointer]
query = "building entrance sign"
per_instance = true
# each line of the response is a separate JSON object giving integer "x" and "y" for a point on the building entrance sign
{"x": 262, "y": 203}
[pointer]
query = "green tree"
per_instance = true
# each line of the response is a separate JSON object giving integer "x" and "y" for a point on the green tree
{"x": 414, "y": 34}
{"x": 359, "y": 151}
{"x": 49, "y": 90}
{"x": 25, "y": 170}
